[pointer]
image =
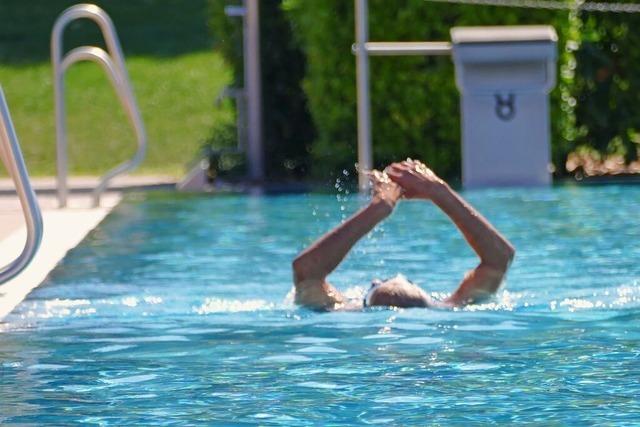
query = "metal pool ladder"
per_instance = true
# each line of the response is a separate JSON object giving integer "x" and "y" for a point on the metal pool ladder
{"x": 113, "y": 64}
{"x": 11, "y": 155}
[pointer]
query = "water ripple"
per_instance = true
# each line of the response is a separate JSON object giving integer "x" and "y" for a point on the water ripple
{"x": 177, "y": 311}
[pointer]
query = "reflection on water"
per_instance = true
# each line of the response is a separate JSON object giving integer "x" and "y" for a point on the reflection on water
{"x": 176, "y": 311}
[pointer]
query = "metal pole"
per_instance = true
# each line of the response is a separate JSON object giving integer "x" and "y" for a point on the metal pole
{"x": 252, "y": 83}
{"x": 407, "y": 48}
{"x": 125, "y": 94}
{"x": 61, "y": 125}
{"x": 11, "y": 155}
{"x": 365, "y": 155}
{"x": 115, "y": 66}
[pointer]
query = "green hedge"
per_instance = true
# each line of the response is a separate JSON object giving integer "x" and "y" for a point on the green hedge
{"x": 607, "y": 84}
{"x": 287, "y": 124}
{"x": 415, "y": 104}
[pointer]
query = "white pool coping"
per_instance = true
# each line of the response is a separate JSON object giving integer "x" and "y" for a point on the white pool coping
{"x": 64, "y": 229}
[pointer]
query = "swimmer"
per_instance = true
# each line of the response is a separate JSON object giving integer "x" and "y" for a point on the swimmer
{"x": 410, "y": 179}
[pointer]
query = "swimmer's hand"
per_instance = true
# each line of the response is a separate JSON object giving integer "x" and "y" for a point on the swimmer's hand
{"x": 384, "y": 189}
{"x": 416, "y": 179}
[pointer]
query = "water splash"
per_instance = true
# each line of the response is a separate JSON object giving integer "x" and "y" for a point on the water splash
{"x": 218, "y": 305}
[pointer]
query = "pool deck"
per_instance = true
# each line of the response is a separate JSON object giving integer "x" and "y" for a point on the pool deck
{"x": 63, "y": 228}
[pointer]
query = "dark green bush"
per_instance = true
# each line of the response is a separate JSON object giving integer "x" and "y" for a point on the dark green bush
{"x": 607, "y": 84}
{"x": 415, "y": 104}
{"x": 288, "y": 130}
{"x": 149, "y": 27}
{"x": 225, "y": 160}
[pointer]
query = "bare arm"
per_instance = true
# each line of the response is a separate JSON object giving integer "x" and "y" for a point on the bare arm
{"x": 314, "y": 264}
{"x": 494, "y": 250}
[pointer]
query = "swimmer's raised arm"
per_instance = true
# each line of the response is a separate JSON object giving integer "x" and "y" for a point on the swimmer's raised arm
{"x": 314, "y": 264}
{"x": 494, "y": 250}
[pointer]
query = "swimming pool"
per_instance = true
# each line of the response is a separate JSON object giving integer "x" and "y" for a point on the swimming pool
{"x": 174, "y": 311}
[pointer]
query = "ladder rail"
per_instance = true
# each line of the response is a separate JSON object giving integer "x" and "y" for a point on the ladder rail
{"x": 112, "y": 61}
{"x": 102, "y": 58}
{"x": 11, "y": 156}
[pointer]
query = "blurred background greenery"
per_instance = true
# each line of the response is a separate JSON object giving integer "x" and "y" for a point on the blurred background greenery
{"x": 415, "y": 105}
{"x": 181, "y": 54}
{"x": 175, "y": 73}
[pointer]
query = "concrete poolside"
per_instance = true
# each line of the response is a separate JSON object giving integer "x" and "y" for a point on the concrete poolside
{"x": 63, "y": 228}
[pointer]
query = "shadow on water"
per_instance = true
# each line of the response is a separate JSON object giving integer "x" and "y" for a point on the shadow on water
{"x": 145, "y": 27}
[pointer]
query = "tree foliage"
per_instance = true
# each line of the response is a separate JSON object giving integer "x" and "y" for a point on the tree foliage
{"x": 288, "y": 130}
{"x": 415, "y": 104}
{"x": 607, "y": 84}
{"x": 307, "y": 60}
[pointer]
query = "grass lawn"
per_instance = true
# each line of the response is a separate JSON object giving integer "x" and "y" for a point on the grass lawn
{"x": 175, "y": 75}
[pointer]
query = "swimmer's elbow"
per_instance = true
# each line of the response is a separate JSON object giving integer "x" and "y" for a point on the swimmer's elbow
{"x": 296, "y": 267}
{"x": 503, "y": 261}
{"x": 301, "y": 270}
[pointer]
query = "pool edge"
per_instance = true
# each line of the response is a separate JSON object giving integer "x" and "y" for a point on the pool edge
{"x": 64, "y": 229}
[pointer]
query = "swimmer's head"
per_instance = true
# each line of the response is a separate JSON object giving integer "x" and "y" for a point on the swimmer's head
{"x": 396, "y": 292}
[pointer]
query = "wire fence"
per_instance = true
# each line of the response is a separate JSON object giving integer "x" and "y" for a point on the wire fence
{"x": 553, "y": 5}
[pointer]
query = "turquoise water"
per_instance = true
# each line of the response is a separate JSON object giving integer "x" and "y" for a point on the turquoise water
{"x": 175, "y": 311}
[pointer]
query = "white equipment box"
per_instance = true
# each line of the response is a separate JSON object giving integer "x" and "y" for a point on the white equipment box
{"x": 504, "y": 75}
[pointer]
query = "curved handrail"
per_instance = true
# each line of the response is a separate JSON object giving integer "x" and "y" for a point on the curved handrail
{"x": 12, "y": 158}
{"x": 119, "y": 78}
{"x": 98, "y": 55}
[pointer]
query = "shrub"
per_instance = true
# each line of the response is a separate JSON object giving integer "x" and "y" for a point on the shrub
{"x": 288, "y": 130}
{"x": 607, "y": 84}
{"x": 415, "y": 104}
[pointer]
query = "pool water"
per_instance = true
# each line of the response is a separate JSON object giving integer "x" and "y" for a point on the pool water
{"x": 176, "y": 311}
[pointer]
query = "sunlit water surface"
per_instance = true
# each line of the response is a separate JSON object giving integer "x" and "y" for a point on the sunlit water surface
{"x": 175, "y": 311}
